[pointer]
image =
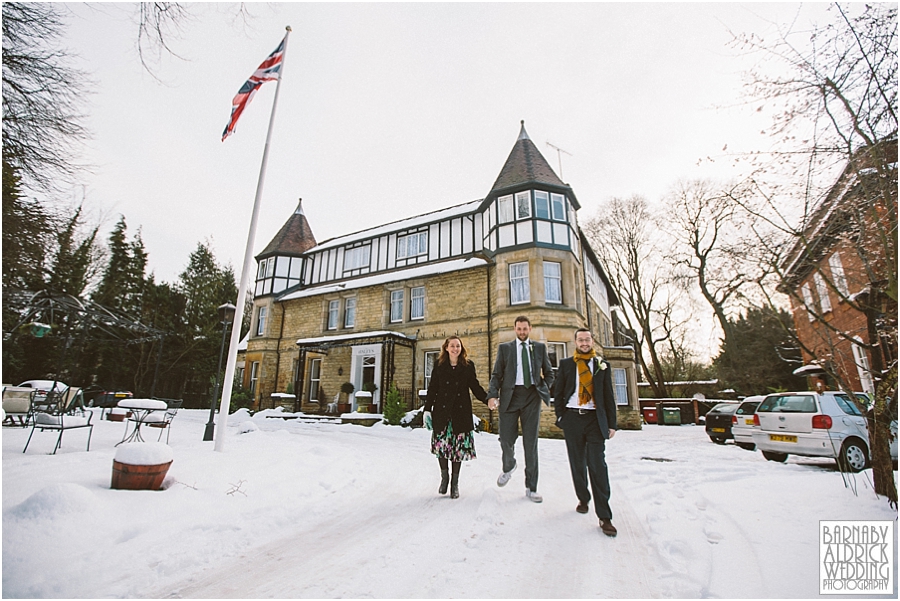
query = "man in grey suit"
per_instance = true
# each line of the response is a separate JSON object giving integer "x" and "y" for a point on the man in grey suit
{"x": 521, "y": 379}
{"x": 586, "y": 411}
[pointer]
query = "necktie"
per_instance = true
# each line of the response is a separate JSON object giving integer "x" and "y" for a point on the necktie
{"x": 526, "y": 367}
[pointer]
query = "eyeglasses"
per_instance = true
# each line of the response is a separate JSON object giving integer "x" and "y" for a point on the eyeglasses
{"x": 584, "y": 340}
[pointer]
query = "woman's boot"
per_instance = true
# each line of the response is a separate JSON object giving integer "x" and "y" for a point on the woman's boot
{"x": 454, "y": 481}
{"x": 445, "y": 480}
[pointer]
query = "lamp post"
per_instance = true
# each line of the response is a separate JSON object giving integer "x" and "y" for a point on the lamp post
{"x": 226, "y": 316}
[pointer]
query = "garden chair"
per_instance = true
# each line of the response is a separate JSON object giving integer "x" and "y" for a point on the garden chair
{"x": 59, "y": 416}
{"x": 164, "y": 421}
{"x": 18, "y": 403}
{"x": 332, "y": 406}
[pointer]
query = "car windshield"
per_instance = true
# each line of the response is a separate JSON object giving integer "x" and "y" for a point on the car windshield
{"x": 724, "y": 408}
{"x": 747, "y": 408}
{"x": 788, "y": 403}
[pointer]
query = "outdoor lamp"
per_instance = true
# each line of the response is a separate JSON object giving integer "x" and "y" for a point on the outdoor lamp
{"x": 226, "y": 317}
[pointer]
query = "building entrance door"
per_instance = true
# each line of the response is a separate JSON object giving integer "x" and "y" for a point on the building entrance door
{"x": 365, "y": 367}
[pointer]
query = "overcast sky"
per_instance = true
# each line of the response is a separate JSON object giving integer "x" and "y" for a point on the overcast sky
{"x": 391, "y": 110}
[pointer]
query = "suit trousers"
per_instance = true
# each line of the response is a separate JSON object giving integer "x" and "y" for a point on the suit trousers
{"x": 586, "y": 449}
{"x": 524, "y": 406}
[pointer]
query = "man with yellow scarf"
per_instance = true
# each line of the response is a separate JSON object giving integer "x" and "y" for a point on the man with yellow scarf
{"x": 586, "y": 411}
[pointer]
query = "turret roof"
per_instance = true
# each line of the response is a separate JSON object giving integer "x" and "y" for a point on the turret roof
{"x": 526, "y": 164}
{"x": 294, "y": 237}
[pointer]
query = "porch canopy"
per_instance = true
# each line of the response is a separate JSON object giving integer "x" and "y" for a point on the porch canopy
{"x": 387, "y": 339}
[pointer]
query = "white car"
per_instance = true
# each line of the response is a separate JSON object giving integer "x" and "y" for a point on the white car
{"x": 743, "y": 422}
{"x": 811, "y": 424}
{"x": 44, "y": 386}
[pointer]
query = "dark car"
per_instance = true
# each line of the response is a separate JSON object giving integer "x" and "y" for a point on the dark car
{"x": 718, "y": 422}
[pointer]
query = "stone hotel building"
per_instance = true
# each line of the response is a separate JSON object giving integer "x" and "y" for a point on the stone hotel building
{"x": 373, "y": 307}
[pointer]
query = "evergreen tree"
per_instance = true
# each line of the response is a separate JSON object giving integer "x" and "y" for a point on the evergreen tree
{"x": 75, "y": 260}
{"x": 756, "y": 361}
{"x": 27, "y": 234}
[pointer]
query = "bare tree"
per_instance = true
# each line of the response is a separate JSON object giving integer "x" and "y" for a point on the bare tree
{"x": 625, "y": 236}
{"x": 831, "y": 187}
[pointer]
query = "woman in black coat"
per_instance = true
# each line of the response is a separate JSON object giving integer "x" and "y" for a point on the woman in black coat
{"x": 448, "y": 411}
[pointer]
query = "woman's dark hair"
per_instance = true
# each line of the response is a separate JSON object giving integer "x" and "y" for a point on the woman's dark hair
{"x": 444, "y": 357}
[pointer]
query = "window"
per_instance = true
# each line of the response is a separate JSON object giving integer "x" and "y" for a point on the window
{"x": 847, "y": 406}
{"x": 315, "y": 376}
{"x": 519, "y": 289}
{"x": 333, "y": 308}
{"x": 523, "y": 205}
{"x": 412, "y": 245}
{"x": 396, "y": 306}
{"x": 357, "y": 258}
{"x": 541, "y": 204}
{"x": 431, "y": 358}
{"x": 558, "y": 202}
{"x": 505, "y": 208}
{"x": 822, "y": 290}
{"x": 261, "y": 321}
{"x": 552, "y": 282}
{"x": 806, "y": 292}
{"x": 349, "y": 312}
{"x": 620, "y": 385}
{"x": 417, "y": 303}
{"x": 556, "y": 352}
{"x": 254, "y": 377}
{"x": 837, "y": 274}
{"x": 861, "y": 359}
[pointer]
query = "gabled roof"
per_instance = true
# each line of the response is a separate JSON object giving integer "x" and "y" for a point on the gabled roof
{"x": 294, "y": 237}
{"x": 526, "y": 164}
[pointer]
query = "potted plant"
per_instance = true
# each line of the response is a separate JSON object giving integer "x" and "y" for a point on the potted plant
{"x": 347, "y": 389}
{"x": 141, "y": 465}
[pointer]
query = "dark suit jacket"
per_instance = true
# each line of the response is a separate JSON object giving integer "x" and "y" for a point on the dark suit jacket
{"x": 605, "y": 401}
{"x": 503, "y": 378}
{"x": 448, "y": 396}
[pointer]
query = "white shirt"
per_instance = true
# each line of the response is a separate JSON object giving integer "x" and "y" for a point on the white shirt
{"x": 520, "y": 379}
{"x": 573, "y": 400}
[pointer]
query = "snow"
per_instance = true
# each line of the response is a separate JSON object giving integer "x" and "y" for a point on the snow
{"x": 143, "y": 404}
{"x": 296, "y": 508}
{"x": 144, "y": 453}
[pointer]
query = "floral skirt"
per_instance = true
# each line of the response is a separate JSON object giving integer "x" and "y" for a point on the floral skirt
{"x": 453, "y": 447}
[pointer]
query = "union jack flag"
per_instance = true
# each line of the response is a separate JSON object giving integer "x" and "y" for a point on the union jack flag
{"x": 269, "y": 70}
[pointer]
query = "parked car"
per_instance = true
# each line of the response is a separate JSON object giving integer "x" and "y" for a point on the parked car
{"x": 718, "y": 422}
{"x": 43, "y": 387}
{"x": 743, "y": 423}
{"x": 108, "y": 398}
{"x": 811, "y": 424}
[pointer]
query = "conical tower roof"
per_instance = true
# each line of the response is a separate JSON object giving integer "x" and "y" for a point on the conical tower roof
{"x": 525, "y": 165}
{"x": 295, "y": 236}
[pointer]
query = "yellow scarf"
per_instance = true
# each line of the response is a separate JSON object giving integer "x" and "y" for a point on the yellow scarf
{"x": 585, "y": 377}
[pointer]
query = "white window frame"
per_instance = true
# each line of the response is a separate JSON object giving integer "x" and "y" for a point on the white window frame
{"x": 806, "y": 293}
{"x": 315, "y": 378}
{"x": 412, "y": 245}
{"x": 523, "y": 205}
{"x": 334, "y": 310}
{"x": 556, "y": 352}
{"x": 254, "y": 377}
{"x": 505, "y": 209}
{"x": 553, "y": 283}
{"x": 620, "y": 385}
{"x": 261, "y": 321}
{"x": 357, "y": 258}
{"x": 861, "y": 359}
{"x": 397, "y": 306}
{"x": 519, "y": 284}
{"x": 542, "y": 198}
{"x": 822, "y": 290}
{"x": 417, "y": 303}
{"x": 350, "y": 312}
{"x": 430, "y": 366}
{"x": 558, "y": 200}
{"x": 837, "y": 274}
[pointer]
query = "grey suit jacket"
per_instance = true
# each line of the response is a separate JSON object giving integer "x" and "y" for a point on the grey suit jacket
{"x": 503, "y": 378}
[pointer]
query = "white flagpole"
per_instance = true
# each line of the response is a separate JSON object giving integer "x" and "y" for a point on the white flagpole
{"x": 245, "y": 271}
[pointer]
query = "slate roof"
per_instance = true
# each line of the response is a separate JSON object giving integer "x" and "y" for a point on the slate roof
{"x": 526, "y": 164}
{"x": 294, "y": 237}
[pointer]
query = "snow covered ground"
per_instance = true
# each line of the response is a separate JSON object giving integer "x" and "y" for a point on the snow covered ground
{"x": 293, "y": 509}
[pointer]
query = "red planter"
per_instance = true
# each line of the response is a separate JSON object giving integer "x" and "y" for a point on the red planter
{"x": 118, "y": 417}
{"x": 138, "y": 477}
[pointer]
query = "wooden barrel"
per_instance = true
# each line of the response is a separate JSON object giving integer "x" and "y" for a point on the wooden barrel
{"x": 138, "y": 477}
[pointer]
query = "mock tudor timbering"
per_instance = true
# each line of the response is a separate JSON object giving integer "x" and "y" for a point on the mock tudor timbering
{"x": 375, "y": 306}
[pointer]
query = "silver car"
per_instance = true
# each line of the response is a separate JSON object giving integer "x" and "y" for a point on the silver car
{"x": 826, "y": 424}
{"x": 743, "y": 423}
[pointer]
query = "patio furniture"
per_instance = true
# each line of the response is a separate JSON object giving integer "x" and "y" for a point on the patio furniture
{"x": 164, "y": 421}
{"x": 58, "y": 417}
{"x": 17, "y": 403}
{"x": 140, "y": 409}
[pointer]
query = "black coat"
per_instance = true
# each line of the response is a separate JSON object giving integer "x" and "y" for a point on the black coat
{"x": 604, "y": 399}
{"x": 448, "y": 397}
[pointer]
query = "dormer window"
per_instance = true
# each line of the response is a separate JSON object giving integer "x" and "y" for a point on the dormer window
{"x": 357, "y": 258}
{"x": 523, "y": 205}
{"x": 412, "y": 245}
{"x": 505, "y": 208}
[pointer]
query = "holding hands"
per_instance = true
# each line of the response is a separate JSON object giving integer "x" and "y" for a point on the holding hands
{"x": 493, "y": 404}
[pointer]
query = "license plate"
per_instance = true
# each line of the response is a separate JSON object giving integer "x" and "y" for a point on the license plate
{"x": 721, "y": 430}
{"x": 749, "y": 422}
{"x": 782, "y": 438}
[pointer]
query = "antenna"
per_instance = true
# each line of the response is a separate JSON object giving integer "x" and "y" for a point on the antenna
{"x": 559, "y": 156}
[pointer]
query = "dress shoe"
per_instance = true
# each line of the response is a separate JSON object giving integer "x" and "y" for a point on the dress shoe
{"x": 505, "y": 476}
{"x": 533, "y": 496}
{"x": 607, "y": 527}
{"x": 582, "y": 507}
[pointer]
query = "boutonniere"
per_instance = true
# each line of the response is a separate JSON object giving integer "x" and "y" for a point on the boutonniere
{"x": 601, "y": 365}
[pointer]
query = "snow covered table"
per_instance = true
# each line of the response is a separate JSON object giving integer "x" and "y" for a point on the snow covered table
{"x": 141, "y": 409}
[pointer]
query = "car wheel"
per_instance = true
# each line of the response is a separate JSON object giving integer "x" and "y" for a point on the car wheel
{"x": 717, "y": 440}
{"x": 854, "y": 456}
{"x": 747, "y": 445}
{"x": 773, "y": 456}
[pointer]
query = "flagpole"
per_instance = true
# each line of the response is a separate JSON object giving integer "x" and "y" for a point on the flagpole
{"x": 245, "y": 271}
